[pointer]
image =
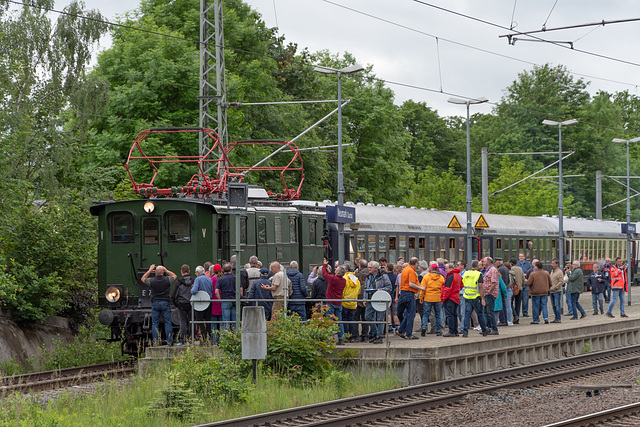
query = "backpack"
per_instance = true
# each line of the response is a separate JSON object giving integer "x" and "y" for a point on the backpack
{"x": 183, "y": 293}
{"x": 516, "y": 289}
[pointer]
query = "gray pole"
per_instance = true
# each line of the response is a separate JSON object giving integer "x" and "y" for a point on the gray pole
{"x": 469, "y": 236}
{"x": 629, "y": 255}
{"x": 485, "y": 181}
{"x": 238, "y": 267}
{"x": 560, "y": 204}
{"x": 598, "y": 195}
{"x": 340, "y": 183}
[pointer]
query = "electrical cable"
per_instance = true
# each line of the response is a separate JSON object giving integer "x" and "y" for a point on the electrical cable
{"x": 473, "y": 18}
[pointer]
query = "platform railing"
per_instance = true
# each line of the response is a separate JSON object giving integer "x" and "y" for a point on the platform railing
{"x": 321, "y": 301}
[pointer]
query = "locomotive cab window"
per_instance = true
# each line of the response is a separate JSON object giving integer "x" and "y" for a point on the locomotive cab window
{"x": 151, "y": 231}
{"x": 179, "y": 226}
{"x": 262, "y": 229}
{"x": 243, "y": 230}
{"x": 122, "y": 227}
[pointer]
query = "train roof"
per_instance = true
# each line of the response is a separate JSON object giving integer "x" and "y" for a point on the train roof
{"x": 402, "y": 219}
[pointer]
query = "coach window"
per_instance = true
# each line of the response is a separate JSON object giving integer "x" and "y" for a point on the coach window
{"x": 393, "y": 249}
{"x": 293, "y": 229}
{"x": 486, "y": 248}
{"x": 461, "y": 248}
{"x": 382, "y": 246}
{"x": 521, "y": 244}
{"x": 372, "y": 247}
{"x": 402, "y": 247}
{"x": 312, "y": 232}
{"x": 360, "y": 248}
{"x": 243, "y": 230}
{"x": 432, "y": 248}
{"x": 499, "y": 248}
{"x": 179, "y": 226}
{"x": 122, "y": 227}
{"x": 422, "y": 247}
{"x": 262, "y": 229}
{"x": 443, "y": 247}
{"x": 151, "y": 231}
{"x": 452, "y": 249}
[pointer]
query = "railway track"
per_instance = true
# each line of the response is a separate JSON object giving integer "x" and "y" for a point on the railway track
{"x": 384, "y": 407}
{"x": 48, "y": 380}
{"x": 627, "y": 415}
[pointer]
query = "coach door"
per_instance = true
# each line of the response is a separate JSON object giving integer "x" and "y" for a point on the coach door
{"x": 151, "y": 250}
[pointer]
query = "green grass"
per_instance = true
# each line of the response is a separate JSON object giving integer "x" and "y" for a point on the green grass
{"x": 113, "y": 405}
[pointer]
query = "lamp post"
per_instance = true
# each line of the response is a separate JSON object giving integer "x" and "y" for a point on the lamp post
{"x": 347, "y": 70}
{"x": 629, "y": 257}
{"x": 560, "y": 205}
{"x": 467, "y": 102}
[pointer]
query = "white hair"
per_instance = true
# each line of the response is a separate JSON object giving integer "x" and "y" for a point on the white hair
{"x": 200, "y": 270}
{"x": 293, "y": 264}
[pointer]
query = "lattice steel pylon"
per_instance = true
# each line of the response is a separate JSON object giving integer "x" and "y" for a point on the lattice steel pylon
{"x": 212, "y": 92}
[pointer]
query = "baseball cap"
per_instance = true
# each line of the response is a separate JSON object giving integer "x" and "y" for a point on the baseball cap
{"x": 433, "y": 265}
{"x": 264, "y": 270}
{"x": 217, "y": 268}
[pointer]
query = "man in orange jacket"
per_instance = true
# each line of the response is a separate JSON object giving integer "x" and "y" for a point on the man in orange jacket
{"x": 619, "y": 285}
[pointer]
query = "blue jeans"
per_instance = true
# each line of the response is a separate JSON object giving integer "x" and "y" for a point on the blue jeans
{"x": 461, "y": 309}
{"x": 450, "y": 308}
{"x": 300, "y": 309}
{"x": 161, "y": 308}
{"x": 408, "y": 303}
{"x": 508, "y": 305}
{"x": 536, "y": 302}
{"x": 615, "y": 294}
{"x": 228, "y": 314}
{"x": 489, "y": 315}
{"x": 376, "y": 330}
{"x": 595, "y": 299}
{"x": 337, "y": 311}
{"x": 470, "y": 306}
{"x": 349, "y": 315}
{"x": 436, "y": 312}
{"x": 556, "y": 303}
{"x": 576, "y": 305}
{"x": 569, "y": 303}
{"x": 524, "y": 293}
{"x": 607, "y": 292}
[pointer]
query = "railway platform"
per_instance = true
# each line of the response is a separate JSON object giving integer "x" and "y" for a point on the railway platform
{"x": 435, "y": 358}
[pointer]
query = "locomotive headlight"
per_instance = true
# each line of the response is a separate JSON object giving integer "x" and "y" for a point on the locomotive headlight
{"x": 112, "y": 294}
{"x": 149, "y": 207}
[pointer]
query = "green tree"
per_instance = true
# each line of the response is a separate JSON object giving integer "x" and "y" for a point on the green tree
{"x": 46, "y": 235}
{"x": 532, "y": 197}
{"x": 445, "y": 190}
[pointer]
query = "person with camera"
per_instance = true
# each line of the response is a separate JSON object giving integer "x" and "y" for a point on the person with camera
{"x": 160, "y": 286}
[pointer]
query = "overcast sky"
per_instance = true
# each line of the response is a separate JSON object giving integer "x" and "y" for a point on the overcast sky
{"x": 434, "y": 50}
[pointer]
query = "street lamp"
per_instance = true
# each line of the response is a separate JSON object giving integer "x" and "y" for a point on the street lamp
{"x": 347, "y": 70}
{"x": 627, "y": 141}
{"x": 560, "y": 205}
{"x": 467, "y": 102}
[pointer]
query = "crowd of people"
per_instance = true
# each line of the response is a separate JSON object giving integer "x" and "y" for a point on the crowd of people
{"x": 449, "y": 298}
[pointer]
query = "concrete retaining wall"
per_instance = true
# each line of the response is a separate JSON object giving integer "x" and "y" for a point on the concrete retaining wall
{"x": 24, "y": 341}
{"x": 459, "y": 357}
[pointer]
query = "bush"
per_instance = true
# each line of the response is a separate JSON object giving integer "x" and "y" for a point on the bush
{"x": 30, "y": 294}
{"x": 221, "y": 380}
{"x": 176, "y": 401}
{"x": 296, "y": 351}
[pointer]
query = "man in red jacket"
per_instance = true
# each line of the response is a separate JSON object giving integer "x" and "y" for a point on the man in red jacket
{"x": 450, "y": 297}
{"x": 335, "y": 287}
